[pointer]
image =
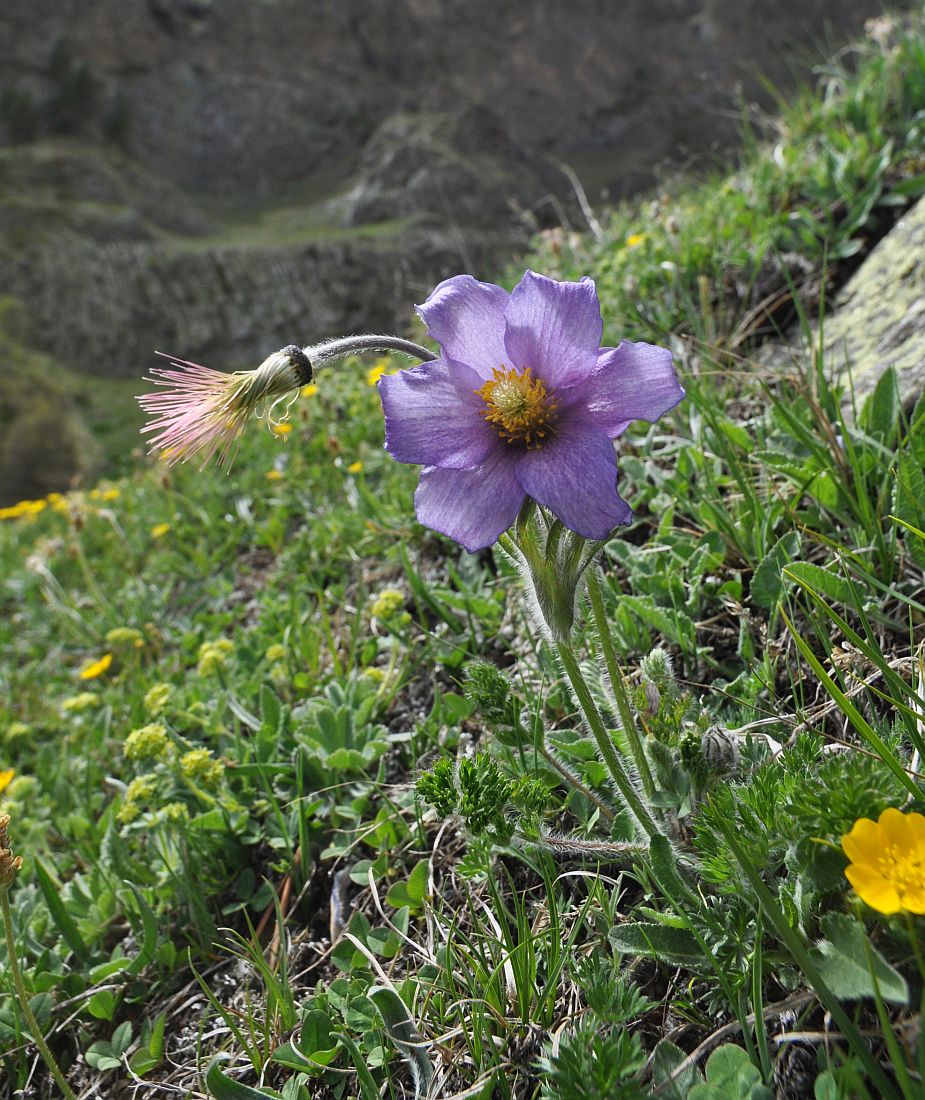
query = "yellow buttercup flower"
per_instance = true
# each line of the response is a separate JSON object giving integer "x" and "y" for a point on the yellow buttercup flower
{"x": 23, "y": 508}
{"x": 6, "y": 778}
{"x": 887, "y": 868}
{"x": 97, "y": 668}
{"x": 282, "y": 429}
{"x": 354, "y": 467}
{"x": 634, "y": 240}
{"x": 377, "y": 370}
{"x": 159, "y": 530}
{"x": 273, "y": 475}
{"x": 308, "y": 390}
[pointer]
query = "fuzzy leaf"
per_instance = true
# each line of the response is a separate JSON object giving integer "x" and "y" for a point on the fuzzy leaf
{"x": 400, "y": 1029}
{"x": 821, "y": 581}
{"x": 62, "y": 918}
{"x": 909, "y": 502}
{"x": 655, "y": 941}
{"x": 767, "y": 583}
{"x": 223, "y": 1087}
{"x": 843, "y": 961}
{"x": 674, "y": 625}
{"x": 881, "y": 411}
{"x": 666, "y": 1058}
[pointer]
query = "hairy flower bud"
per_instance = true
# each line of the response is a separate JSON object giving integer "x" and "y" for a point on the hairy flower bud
{"x": 9, "y": 864}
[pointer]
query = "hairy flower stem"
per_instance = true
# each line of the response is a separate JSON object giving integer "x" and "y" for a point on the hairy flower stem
{"x": 573, "y": 781}
{"x": 604, "y": 743}
{"x": 627, "y": 718}
{"x": 23, "y": 996}
{"x": 354, "y": 345}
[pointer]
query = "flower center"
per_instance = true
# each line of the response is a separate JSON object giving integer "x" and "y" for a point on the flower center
{"x": 518, "y": 406}
{"x": 905, "y": 870}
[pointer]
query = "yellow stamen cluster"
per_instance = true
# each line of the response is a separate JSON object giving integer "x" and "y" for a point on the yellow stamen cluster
{"x": 518, "y": 406}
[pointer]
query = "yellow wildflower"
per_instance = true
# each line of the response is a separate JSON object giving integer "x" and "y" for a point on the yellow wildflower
{"x": 110, "y": 494}
{"x": 275, "y": 652}
{"x": 634, "y": 240}
{"x": 354, "y": 467}
{"x": 97, "y": 668}
{"x": 274, "y": 475}
{"x": 308, "y": 390}
{"x": 376, "y": 371}
{"x": 29, "y": 508}
{"x": 6, "y": 778}
{"x": 282, "y": 429}
{"x": 159, "y": 530}
{"x": 887, "y": 868}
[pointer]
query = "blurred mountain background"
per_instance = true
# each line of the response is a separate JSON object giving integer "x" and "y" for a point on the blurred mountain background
{"x": 217, "y": 178}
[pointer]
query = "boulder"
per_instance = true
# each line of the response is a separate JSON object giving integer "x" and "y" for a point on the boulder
{"x": 878, "y": 318}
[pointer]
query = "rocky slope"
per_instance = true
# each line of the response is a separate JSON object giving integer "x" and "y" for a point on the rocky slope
{"x": 215, "y": 178}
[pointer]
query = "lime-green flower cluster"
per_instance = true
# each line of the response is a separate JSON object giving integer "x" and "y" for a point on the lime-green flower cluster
{"x": 157, "y": 698}
{"x": 213, "y": 656}
{"x": 124, "y": 637}
{"x": 386, "y": 604}
{"x": 77, "y": 704}
{"x": 148, "y": 743}
{"x": 15, "y": 731}
{"x": 19, "y": 795}
{"x": 174, "y": 813}
{"x": 200, "y": 766}
{"x": 138, "y": 795}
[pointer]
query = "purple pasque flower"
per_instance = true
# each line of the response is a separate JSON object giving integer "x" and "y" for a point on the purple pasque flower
{"x": 522, "y": 402}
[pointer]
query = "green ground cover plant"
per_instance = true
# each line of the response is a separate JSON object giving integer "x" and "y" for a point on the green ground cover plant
{"x": 306, "y": 805}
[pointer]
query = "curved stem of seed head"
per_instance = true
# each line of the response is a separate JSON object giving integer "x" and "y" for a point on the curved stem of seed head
{"x": 627, "y": 718}
{"x": 23, "y": 996}
{"x": 318, "y": 354}
{"x": 605, "y": 744}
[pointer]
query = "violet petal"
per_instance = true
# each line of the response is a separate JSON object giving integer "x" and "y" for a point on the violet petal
{"x": 630, "y": 382}
{"x": 466, "y": 318}
{"x": 554, "y": 328}
{"x": 575, "y": 475}
{"x": 433, "y": 416}
{"x": 471, "y": 506}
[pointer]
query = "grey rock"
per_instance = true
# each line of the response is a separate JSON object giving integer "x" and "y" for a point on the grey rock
{"x": 878, "y": 318}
